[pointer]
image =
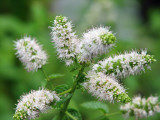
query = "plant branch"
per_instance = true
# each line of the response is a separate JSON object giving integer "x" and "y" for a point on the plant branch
{"x": 70, "y": 115}
{"x": 67, "y": 91}
{"x": 65, "y": 105}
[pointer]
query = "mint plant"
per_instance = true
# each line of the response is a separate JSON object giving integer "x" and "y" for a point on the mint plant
{"x": 100, "y": 79}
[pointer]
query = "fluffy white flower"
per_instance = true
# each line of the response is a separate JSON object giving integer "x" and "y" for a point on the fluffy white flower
{"x": 137, "y": 101}
{"x": 95, "y": 42}
{"x": 34, "y": 103}
{"x": 64, "y": 39}
{"x": 123, "y": 65}
{"x": 105, "y": 88}
{"x": 30, "y": 53}
{"x": 152, "y": 100}
{"x": 140, "y": 113}
{"x": 141, "y": 107}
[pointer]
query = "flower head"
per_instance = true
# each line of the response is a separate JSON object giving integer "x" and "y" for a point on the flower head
{"x": 34, "y": 103}
{"x": 105, "y": 88}
{"x": 141, "y": 107}
{"x": 30, "y": 53}
{"x": 64, "y": 39}
{"x": 95, "y": 42}
{"x": 130, "y": 63}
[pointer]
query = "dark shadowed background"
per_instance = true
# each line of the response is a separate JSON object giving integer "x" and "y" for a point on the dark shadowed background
{"x": 135, "y": 22}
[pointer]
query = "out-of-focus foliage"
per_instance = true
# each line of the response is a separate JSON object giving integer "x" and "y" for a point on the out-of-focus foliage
{"x": 26, "y": 17}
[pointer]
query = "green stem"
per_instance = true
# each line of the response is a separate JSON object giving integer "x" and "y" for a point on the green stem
{"x": 70, "y": 115}
{"x": 67, "y": 91}
{"x": 65, "y": 105}
{"x": 46, "y": 76}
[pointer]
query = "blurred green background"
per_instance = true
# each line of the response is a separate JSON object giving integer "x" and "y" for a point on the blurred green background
{"x": 136, "y": 24}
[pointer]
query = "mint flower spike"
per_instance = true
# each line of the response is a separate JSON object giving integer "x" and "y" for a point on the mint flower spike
{"x": 30, "y": 53}
{"x": 95, "y": 42}
{"x": 105, "y": 88}
{"x": 34, "y": 103}
{"x": 123, "y": 65}
{"x": 64, "y": 39}
{"x": 141, "y": 107}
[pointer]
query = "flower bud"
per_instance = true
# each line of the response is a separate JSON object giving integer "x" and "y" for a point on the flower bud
{"x": 95, "y": 42}
{"x": 34, "y": 103}
{"x": 64, "y": 39}
{"x": 105, "y": 88}
{"x": 123, "y": 65}
{"x": 141, "y": 107}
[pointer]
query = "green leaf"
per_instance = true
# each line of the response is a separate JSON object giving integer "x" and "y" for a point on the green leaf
{"x": 72, "y": 115}
{"x": 53, "y": 76}
{"x": 61, "y": 88}
{"x": 55, "y": 117}
{"x": 96, "y": 105}
{"x": 102, "y": 118}
{"x": 49, "y": 115}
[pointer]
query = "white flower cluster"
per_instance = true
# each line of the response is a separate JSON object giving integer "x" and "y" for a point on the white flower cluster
{"x": 105, "y": 88}
{"x": 95, "y": 42}
{"x": 141, "y": 107}
{"x": 34, "y": 103}
{"x": 124, "y": 65}
{"x": 30, "y": 53}
{"x": 64, "y": 39}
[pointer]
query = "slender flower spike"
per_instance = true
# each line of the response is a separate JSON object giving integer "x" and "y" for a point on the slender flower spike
{"x": 34, "y": 103}
{"x": 95, "y": 42}
{"x": 124, "y": 65}
{"x": 141, "y": 107}
{"x": 30, "y": 53}
{"x": 105, "y": 88}
{"x": 64, "y": 39}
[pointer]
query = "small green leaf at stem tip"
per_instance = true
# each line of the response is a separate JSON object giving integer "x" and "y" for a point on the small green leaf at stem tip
{"x": 96, "y": 105}
{"x": 53, "y": 76}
